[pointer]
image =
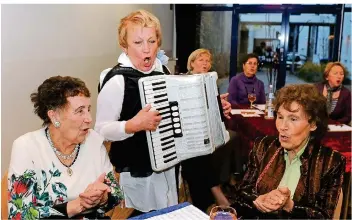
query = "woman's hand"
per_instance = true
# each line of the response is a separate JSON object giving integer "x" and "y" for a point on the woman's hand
{"x": 95, "y": 194}
{"x": 226, "y": 106}
{"x": 288, "y": 206}
{"x": 273, "y": 201}
{"x": 145, "y": 120}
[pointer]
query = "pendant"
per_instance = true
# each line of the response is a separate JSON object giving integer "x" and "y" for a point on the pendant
{"x": 69, "y": 171}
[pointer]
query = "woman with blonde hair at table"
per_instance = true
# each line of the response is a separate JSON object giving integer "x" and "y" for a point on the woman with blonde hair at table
{"x": 122, "y": 120}
{"x": 292, "y": 175}
{"x": 204, "y": 173}
{"x": 338, "y": 97}
{"x": 61, "y": 170}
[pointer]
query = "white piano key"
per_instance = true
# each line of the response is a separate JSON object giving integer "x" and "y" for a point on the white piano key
{"x": 165, "y": 115}
{"x": 154, "y": 87}
{"x": 158, "y": 147}
{"x": 150, "y": 91}
{"x": 152, "y": 95}
{"x": 157, "y": 142}
{"x": 157, "y": 99}
{"x": 159, "y": 105}
{"x": 168, "y": 151}
{"x": 162, "y": 135}
{"x": 149, "y": 82}
{"x": 164, "y": 110}
{"x": 165, "y": 121}
{"x": 157, "y": 131}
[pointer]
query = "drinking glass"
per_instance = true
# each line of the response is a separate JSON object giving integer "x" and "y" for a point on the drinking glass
{"x": 252, "y": 97}
{"x": 223, "y": 213}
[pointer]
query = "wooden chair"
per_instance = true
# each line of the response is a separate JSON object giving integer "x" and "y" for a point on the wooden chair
{"x": 4, "y": 194}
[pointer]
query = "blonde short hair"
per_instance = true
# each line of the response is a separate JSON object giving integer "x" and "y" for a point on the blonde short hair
{"x": 195, "y": 54}
{"x": 140, "y": 17}
{"x": 330, "y": 65}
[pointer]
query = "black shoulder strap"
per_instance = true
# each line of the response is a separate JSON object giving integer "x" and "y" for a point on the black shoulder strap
{"x": 166, "y": 70}
{"x": 129, "y": 72}
{"x": 119, "y": 70}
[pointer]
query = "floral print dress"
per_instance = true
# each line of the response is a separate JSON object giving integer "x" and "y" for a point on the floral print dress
{"x": 38, "y": 183}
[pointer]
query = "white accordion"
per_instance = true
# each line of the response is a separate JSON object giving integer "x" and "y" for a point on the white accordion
{"x": 192, "y": 120}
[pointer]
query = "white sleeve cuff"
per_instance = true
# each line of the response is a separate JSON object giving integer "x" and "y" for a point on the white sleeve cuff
{"x": 124, "y": 135}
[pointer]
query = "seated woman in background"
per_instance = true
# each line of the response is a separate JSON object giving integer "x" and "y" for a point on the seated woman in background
{"x": 246, "y": 82}
{"x": 61, "y": 170}
{"x": 204, "y": 173}
{"x": 338, "y": 97}
{"x": 292, "y": 175}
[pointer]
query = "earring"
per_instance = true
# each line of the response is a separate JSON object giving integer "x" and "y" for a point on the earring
{"x": 57, "y": 124}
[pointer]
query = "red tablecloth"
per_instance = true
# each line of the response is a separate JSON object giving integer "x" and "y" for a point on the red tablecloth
{"x": 252, "y": 127}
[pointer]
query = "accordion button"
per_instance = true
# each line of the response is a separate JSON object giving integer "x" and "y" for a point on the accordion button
{"x": 177, "y": 125}
{"x": 174, "y": 108}
{"x": 178, "y": 131}
{"x": 176, "y": 119}
{"x": 175, "y": 114}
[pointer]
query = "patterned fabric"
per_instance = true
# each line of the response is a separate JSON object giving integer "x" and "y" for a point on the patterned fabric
{"x": 330, "y": 91}
{"x": 33, "y": 197}
{"x": 39, "y": 185}
{"x": 29, "y": 198}
{"x": 317, "y": 190}
{"x": 333, "y": 104}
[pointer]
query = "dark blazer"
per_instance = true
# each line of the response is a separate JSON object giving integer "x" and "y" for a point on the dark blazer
{"x": 342, "y": 111}
{"x": 317, "y": 190}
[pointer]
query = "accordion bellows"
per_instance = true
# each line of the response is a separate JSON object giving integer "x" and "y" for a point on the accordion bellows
{"x": 192, "y": 122}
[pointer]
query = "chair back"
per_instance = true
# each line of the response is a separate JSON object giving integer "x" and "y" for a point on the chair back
{"x": 4, "y": 193}
{"x": 337, "y": 211}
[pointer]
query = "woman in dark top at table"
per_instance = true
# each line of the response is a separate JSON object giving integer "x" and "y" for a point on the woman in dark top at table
{"x": 293, "y": 175}
{"x": 338, "y": 97}
{"x": 246, "y": 82}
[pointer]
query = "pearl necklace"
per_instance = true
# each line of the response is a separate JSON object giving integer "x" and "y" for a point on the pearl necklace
{"x": 63, "y": 156}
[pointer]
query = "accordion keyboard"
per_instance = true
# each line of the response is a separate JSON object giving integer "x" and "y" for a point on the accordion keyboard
{"x": 191, "y": 122}
{"x": 163, "y": 138}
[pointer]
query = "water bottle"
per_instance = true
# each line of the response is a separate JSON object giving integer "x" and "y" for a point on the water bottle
{"x": 269, "y": 107}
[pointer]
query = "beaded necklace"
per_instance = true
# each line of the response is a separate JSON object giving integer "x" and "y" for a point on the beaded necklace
{"x": 74, "y": 153}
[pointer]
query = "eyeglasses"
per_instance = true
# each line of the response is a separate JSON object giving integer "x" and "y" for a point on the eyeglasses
{"x": 250, "y": 63}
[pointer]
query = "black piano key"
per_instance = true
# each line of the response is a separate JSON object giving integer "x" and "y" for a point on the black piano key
{"x": 169, "y": 154}
{"x": 160, "y": 95}
{"x": 171, "y": 159}
{"x": 168, "y": 142}
{"x": 159, "y": 88}
{"x": 168, "y": 147}
{"x": 166, "y": 117}
{"x": 166, "y": 130}
{"x": 163, "y": 113}
{"x": 165, "y": 125}
{"x": 161, "y": 100}
{"x": 158, "y": 83}
{"x": 165, "y": 138}
{"x": 161, "y": 108}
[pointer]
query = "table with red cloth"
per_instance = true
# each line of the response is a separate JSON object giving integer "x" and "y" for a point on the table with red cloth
{"x": 249, "y": 128}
